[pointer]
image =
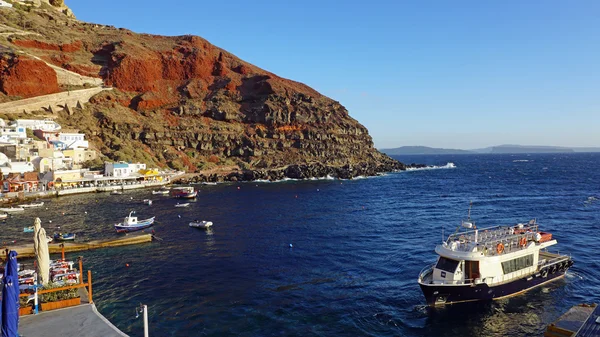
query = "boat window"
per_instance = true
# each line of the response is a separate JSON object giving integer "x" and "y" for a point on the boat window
{"x": 517, "y": 264}
{"x": 447, "y": 264}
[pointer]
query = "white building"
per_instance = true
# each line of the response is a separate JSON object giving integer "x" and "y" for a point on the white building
{"x": 16, "y": 167}
{"x": 73, "y": 140}
{"x": 122, "y": 169}
{"x": 12, "y": 135}
{"x": 46, "y": 125}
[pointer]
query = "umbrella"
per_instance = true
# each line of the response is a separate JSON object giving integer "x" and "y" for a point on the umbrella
{"x": 10, "y": 297}
{"x": 42, "y": 257}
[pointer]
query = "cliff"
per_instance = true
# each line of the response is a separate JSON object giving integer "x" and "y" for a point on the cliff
{"x": 182, "y": 102}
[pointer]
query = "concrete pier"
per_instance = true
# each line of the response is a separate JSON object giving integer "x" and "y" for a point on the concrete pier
{"x": 55, "y": 248}
{"x": 78, "y": 321}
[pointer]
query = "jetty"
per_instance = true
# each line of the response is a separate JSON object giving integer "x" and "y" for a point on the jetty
{"x": 57, "y": 248}
{"x": 581, "y": 320}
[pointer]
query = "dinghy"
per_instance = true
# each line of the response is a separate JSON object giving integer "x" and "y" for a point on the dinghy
{"x": 64, "y": 236}
{"x": 131, "y": 224}
{"x": 12, "y": 209}
{"x": 39, "y": 204}
{"x": 201, "y": 224}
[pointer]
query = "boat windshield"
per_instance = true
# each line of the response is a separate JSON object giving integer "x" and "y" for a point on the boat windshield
{"x": 448, "y": 265}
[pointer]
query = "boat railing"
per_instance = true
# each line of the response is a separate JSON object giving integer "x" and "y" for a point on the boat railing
{"x": 488, "y": 241}
{"x": 425, "y": 272}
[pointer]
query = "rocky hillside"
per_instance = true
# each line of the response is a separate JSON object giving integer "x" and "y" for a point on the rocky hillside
{"x": 184, "y": 103}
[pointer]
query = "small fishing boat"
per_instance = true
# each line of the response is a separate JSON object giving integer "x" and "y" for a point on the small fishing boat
{"x": 131, "y": 224}
{"x": 201, "y": 224}
{"x": 182, "y": 205}
{"x": 28, "y": 229}
{"x": 116, "y": 193}
{"x": 39, "y": 204}
{"x": 185, "y": 192}
{"x": 3, "y": 216}
{"x": 147, "y": 202}
{"x": 163, "y": 192}
{"x": 64, "y": 236}
{"x": 12, "y": 209}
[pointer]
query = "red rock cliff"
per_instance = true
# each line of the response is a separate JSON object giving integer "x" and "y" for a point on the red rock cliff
{"x": 26, "y": 77}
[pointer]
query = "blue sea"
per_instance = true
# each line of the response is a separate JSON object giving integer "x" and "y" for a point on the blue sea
{"x": 334, "y": 257}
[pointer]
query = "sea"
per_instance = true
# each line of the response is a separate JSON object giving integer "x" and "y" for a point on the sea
{"x": 332, "y": 257}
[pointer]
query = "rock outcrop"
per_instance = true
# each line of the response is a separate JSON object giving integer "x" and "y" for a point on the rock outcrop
{"x": 182, "y": 102}
{"x": 25, "y": 77}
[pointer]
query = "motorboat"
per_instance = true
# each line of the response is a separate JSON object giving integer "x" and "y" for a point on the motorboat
{"x": 201, "y": 224}
{"x": 29, "y": 229}
{"x": 48, "y": 239}
{"x": 185, "y": 192}
{"x": 116, "y": 193}
{"x": 147, "y": 202}
{"x": 131, "y": 224}
{"x": 12, "y": 209}
{"x": 39, "y": 204}
{"x": 182, "y": 205}
{"x": 491, "y": 263}
{"x": 162, "y": 192}
{"x": 3, "y": 216}
{"x": 64, "y": 236}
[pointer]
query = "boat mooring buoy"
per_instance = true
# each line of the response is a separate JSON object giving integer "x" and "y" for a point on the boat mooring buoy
{"x": 179, "y": 215}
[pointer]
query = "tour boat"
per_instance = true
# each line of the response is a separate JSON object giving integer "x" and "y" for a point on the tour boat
{"x": 131, "y": 224}
{"x": 64, "y": 236}
{"x": 491, "y": 263}
{"x": 39, "y": 204}
{"x": 182, "y": 205}
{"x": 12, "y": 209}
{"x": 201, "y": 224}
{"x": 184, "y": 192}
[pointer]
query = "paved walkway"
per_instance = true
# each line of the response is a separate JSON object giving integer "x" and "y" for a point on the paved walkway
{"x": 79, "y": 321}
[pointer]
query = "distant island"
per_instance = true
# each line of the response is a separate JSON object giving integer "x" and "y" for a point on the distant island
{"x": 500, "y": 149}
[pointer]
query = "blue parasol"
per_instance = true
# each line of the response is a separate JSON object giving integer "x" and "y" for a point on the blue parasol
{"x": 10, "y": 297}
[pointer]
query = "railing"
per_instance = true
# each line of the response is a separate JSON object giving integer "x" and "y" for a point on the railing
{"x": 425, "y": 272}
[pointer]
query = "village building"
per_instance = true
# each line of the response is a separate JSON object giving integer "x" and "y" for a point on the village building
{"x": 122, "y": 169}
{"x": 16, "y": 182}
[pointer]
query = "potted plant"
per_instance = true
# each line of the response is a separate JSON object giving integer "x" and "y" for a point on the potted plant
{"x": 59, "y": 299}
{"x": 24, "y": 306}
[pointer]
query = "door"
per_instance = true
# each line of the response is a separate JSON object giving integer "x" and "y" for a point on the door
{"x": 471, "y": 270}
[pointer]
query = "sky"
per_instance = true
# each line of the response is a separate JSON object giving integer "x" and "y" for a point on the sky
{"x": 452, "y": 74}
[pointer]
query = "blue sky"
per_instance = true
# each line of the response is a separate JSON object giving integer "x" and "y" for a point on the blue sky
{"x": 461, "y": 74}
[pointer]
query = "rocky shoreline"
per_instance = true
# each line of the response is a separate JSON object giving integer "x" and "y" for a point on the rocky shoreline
{"x": 300, "y": 171}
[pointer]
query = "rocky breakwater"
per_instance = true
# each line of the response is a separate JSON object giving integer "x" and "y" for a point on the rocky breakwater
{"x": 184, "y": 103}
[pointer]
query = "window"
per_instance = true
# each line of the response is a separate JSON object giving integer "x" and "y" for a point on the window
{"x": 447, "y": 264}
{"x": 517, "y": 264}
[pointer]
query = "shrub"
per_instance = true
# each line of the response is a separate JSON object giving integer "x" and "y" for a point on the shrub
{"x": 58, "y": 295}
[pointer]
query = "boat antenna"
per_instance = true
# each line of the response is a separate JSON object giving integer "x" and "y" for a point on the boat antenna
{"x": 469, "y": 215}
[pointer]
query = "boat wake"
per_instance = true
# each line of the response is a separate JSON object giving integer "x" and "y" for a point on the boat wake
{"x": 449, "y": 165}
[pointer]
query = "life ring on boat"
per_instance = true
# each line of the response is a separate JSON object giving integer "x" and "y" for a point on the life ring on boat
{"x": 553, "y": 269}
{"x": 523, "y": 241}
{"x": 500, "y": 248}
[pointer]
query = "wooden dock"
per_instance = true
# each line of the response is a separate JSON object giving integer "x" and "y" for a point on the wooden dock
{"x": 56, "y": 248}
